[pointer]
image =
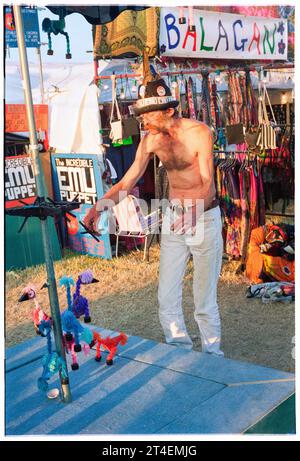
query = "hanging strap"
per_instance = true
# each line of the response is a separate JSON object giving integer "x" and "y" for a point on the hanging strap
{"x": 270, "y": 105}
{"x": 260, "y": 105}
{"x": 114, "y": 99}
{"x": 264, "y": 108}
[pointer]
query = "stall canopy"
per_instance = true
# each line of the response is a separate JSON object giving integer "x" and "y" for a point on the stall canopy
{"x": 95, "y": 14}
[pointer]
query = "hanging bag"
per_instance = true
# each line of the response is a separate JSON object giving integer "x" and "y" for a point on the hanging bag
{"x": 122, "y": 128}
{"x": 251, "y": 137}
{"x": 130, "y": 124}
{"x": 235, "y": 134}
{"x": 116, "y": 126}
{"x": 252, "y": 132}
{"x": 234, "y": 131}
{"x": 267, "y": 137}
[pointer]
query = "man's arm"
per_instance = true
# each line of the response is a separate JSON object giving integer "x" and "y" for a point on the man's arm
{"x": 112, "y": 197}
{"x": 206, "y": 163}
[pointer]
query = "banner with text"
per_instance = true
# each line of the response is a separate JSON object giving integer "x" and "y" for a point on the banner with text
{"x": 19, "y": 181}
{"x": 30, "y": 24}
{"x": 79, "y": 174}
{"x": 223, "y": 36}
{"x": 16, "y": 118}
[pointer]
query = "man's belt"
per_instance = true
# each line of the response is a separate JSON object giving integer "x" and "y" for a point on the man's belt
{"x": 181, "y": 208}
{"x": 214, "y": 204}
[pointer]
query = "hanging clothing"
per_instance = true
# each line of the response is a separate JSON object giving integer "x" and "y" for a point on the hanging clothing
{"x": 190, "y": 98}
{"x": 252, "y": 103}
{"x": 233, "y": 216}
{"x": 121, "y": 158}
{"x": 239, "y": 188}
{"x": 276, "y": 185}
{"x": 244, "y": 180}
{"x": 205, "y": 100}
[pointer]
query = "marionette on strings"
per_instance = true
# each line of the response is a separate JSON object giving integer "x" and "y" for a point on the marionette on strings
{"x": 86, "y": 339}
{"x": 38, "y": 315}
{"x": 109, "y": 344}
{"x": 52, "y": 362}
{"x": 80, "y": 305}
{"x": 56, "y": 27}
{"x": 70, "y": 324}
{"x": 75, "y": 336}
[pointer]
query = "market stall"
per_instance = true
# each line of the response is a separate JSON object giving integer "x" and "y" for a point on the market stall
{"x": 245, "y": 144}
{"x": 225, "y": 65}
{"x": 198, "y": 53}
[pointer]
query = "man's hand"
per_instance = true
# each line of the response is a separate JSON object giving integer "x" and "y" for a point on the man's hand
{"x": 186, "y": 222}
{"x": 91, "y": 220}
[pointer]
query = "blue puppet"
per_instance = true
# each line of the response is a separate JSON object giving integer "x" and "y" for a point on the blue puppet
{"x": 52, "y": 362}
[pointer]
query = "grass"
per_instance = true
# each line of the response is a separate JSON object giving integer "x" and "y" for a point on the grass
{"x": 125, "y": 299}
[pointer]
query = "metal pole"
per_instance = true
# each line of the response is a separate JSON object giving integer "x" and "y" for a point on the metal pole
{"x": 41, "y": 191}
{"x": 38, "y": 50}
{"x": 96, "y": 64}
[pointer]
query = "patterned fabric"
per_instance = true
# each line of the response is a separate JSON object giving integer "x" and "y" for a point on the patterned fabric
{"x": 272, "y": 291}
{"x": 190, "y": 98}
{"x": 245, "y": 113}
{"x": 131, "y": 33}
{"x": 255, "y": 259}
{"x": 233, "y": 215}
{"x": 253, "y": 198}
{"x": 251, "y": 101}
{"x": 279, "y": 268}
{"x": 205, "y": 103}
{"x": 212, "y": 91}
{"x": 262, "y": 267}
{"x": 232, "y": 103}
{"x": 261, "y": 197}
{"x": 244, "y": 180}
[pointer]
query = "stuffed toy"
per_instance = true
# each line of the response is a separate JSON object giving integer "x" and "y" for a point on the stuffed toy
{"x": 72, "y": 328}
{"x": 67, "y": 282}
{"x": 52, "y": 362}
{"x": 38, "y": 315}
{"x": 70, "y": 324}
{"x": 74, "y": 332}
{"x": 69, "y": 345}
{"x": 80, "y": 304}
{"x": 86, "y": 339}
{"x": 109, "y": 344}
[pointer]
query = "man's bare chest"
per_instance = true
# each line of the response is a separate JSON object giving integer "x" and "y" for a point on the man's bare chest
{"x": 174, "y": 155}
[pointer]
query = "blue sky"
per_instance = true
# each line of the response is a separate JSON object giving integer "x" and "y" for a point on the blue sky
{"x": 80, "y": 33}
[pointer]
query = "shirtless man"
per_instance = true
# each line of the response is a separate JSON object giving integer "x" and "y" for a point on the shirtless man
{"x": 184, "y": 147}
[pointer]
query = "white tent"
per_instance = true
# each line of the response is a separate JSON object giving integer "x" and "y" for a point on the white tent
{"x": 74, "y": 120}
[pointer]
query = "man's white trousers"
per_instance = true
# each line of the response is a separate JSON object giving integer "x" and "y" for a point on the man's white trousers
{"x": 206, "y": 248}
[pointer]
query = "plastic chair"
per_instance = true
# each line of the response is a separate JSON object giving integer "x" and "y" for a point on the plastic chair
{"x": 131, "y": 222}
